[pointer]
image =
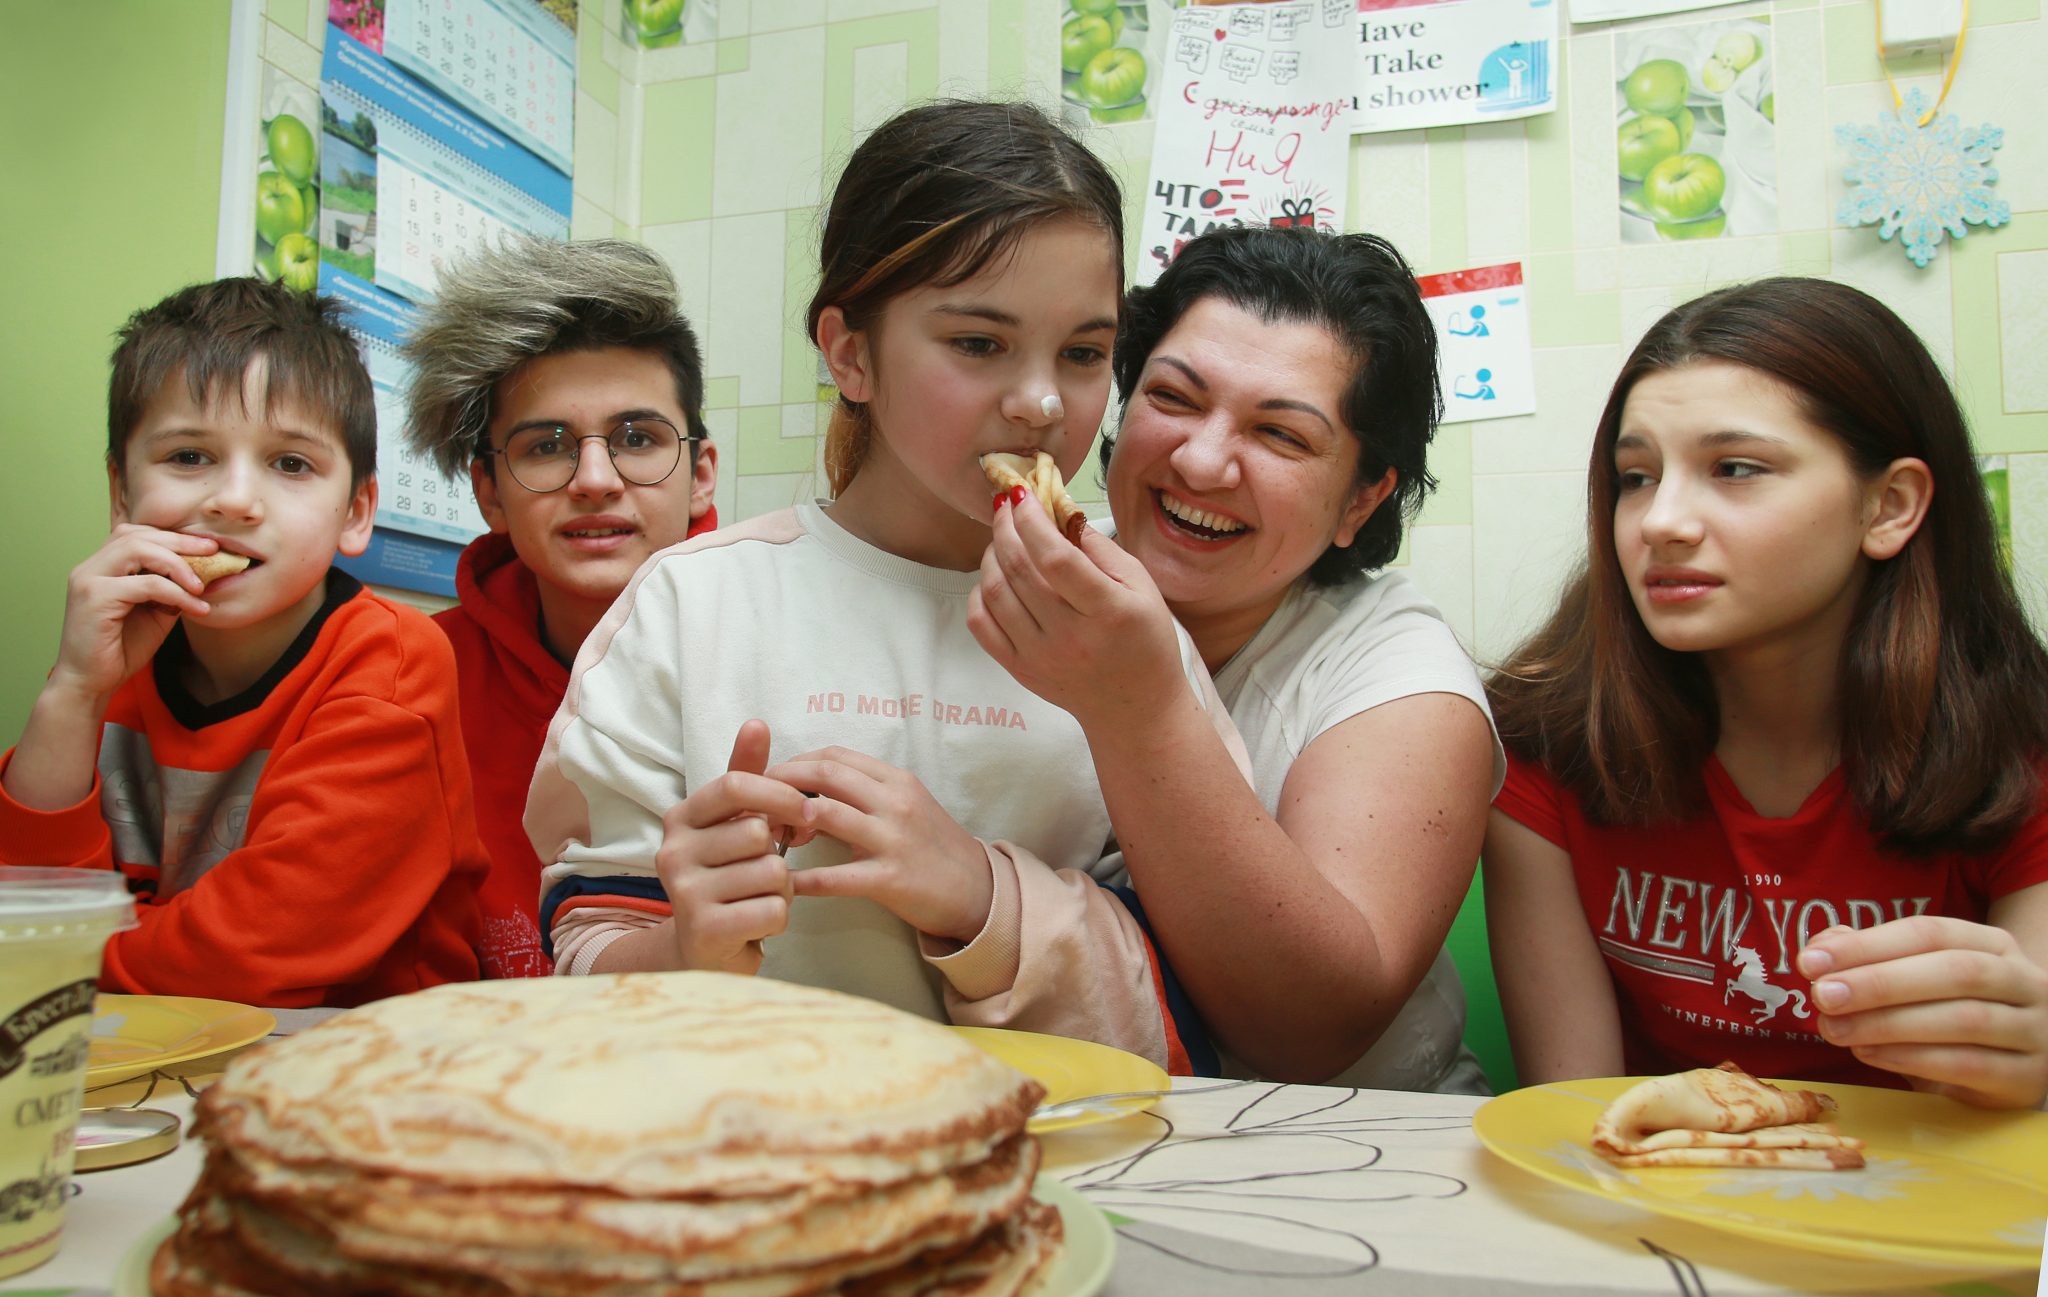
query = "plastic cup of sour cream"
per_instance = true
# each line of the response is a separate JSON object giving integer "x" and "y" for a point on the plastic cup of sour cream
{"x": 54, "y": 925}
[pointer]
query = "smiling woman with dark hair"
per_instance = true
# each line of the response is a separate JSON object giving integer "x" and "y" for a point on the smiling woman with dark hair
{"x": 1279, "y": 394}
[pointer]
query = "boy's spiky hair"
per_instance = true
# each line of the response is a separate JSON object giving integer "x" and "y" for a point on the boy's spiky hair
{"x": 207, "y": 335}
{"x": 501, "y": 307}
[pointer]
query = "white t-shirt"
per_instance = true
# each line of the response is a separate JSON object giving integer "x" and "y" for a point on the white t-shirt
{"x": 1324, "y": 656}
{"x": 791, "y": 619}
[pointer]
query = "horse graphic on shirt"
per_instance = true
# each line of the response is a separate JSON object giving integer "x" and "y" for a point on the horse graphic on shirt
{"x": 1751, "y": 982}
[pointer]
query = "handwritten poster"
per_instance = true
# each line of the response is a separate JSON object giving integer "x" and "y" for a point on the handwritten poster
{"x": 1253, "y": 125}
{"x": 1482, "y": 331}
{"x": 1450, "y": 62}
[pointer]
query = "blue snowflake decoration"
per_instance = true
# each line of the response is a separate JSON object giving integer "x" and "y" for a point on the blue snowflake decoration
{"x": 1923, "y": 180}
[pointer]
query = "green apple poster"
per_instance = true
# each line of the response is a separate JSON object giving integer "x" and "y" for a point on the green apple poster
{"x": 1695, "y": 132}
{"x": 287, "y": 182}
{"x": 658, "y": 24}
{"x": 1255, "y": 129}
{"x": 1112, "y": 56}
{"x": 1427, "y": 63}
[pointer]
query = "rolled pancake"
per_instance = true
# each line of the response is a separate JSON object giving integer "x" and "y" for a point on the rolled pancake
{"x": 1721, "y": 1116}
{"x": 212, "y": 567}
{"x": 1040, "y": 476}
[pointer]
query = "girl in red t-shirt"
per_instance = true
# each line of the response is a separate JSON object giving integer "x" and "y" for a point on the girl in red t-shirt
{"x": 1775, "y": 788}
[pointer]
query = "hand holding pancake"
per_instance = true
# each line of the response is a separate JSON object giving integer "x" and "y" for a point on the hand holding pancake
{"x": 122, "y": 601}
{"x": 1956, "y": 1008}
{"x": 728, "y": 888}
{"x": 1081, "y": 625}
{"x": 1037, "y": 476}
{"x": 909, "y": 855}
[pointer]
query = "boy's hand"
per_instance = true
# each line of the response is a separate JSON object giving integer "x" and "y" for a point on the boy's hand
{"x": 1079, "y": 624}
{"x": 120, "y": 604}
{"x": 727, "y": 885}
{"x": 909, "y": 855}
{"x": 1955, "y": 1007}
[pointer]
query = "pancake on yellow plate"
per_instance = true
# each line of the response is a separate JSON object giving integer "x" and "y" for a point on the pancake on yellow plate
{"x": 1722, "y": 1116}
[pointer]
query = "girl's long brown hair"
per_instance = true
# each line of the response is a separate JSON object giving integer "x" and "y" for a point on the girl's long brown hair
{"x": 933, "y": 195}
{"x": 1944, "y": 686}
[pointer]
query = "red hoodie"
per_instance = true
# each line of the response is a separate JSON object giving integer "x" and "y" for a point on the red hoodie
{"x": 511, "y": 686}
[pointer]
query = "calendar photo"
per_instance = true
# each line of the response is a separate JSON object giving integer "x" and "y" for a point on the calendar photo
{"x": 411, "y": 179}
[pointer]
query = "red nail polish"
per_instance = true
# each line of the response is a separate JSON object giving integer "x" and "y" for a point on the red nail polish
{"x": 1017, "y": 494}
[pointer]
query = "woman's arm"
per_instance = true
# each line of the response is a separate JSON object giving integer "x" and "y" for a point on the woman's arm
{"x": 1301, "y": 936}
{"x": 1298, "y": 936}
{"x": 1554, "y": 988}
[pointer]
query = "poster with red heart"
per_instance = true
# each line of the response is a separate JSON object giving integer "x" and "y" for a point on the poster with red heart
{"x": 1254, "y": 125}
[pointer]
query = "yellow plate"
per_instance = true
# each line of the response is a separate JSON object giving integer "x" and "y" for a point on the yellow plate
{"x": 1944, "y": 1184}
{"x": 1073, "y": 1069}
{"x": 1080, "y": 1270}
{"x": 134, "y": 1034}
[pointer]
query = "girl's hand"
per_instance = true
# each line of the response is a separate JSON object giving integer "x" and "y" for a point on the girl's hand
{"x": 1082, "y": 626}
{"x": 120, "y": 603}
{"x": 726, "y": 883}
{"x": 909, "y": 855}
{"x": 1956, "y": 1008}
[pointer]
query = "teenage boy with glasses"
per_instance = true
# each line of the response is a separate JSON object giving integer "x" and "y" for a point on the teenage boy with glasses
{"x": 564, "y": 380}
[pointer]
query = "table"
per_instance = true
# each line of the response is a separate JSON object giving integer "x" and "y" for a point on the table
{"x": 1226, "y": 1189}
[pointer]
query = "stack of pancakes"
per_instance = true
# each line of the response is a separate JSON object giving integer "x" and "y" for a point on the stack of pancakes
{"x": 679, "y": 1133}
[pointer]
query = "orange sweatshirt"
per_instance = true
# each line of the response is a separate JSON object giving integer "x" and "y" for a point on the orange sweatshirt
{"x": 310, "y": 841}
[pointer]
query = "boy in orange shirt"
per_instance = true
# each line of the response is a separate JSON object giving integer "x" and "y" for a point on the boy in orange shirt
{"x": 272, "y": 757}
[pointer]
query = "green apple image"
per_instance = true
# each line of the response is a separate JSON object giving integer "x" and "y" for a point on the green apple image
{"x": 298, "y": 263}
{"x": 311, "y": 198}
{"x": 1684, "y": 186}
{"x": 1769, "y": 108}
{"x": 1717, "y": 76}
{"x": 1738, "y": 50}
{"x": 658, "y": 22}
{"x": 1644, "y": 142}
{"x": 1130, "y": 112}
{"x": 1683, "y": 120}
{"x": 1115, "y": 76}
{"x": 1082, "y": 39}
{"x": 1708, "y": 227}
{"x": 279, "y": 209}
{"x": 1658, "y": 86}
{"x": 1092, "y": 6}
{"x": 292, "y": 148}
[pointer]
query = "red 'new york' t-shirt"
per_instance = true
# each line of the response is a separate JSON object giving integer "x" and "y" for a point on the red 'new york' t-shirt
{"x": 1699, "y": 921}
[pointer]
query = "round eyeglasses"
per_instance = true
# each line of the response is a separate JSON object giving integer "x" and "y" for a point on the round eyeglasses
{"x": 644, "y": 451}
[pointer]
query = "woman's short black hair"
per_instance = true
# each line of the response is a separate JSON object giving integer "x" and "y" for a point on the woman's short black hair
{"x": 1358, "y": 289}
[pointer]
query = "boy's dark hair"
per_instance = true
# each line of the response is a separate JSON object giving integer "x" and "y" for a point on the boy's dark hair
{"x": 1943, "y": 685}
{"x": 1356, "y": 288}
{"x": 212, "y": 332}
{"x": 500, "y": 307}
{"x": 935, "y": 194}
